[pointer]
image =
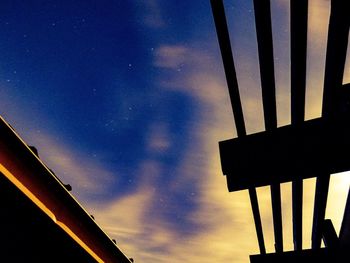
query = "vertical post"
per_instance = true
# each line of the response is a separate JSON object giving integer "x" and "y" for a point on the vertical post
{"x": 298, "y": 36}
{"x": 267, "y": 75}
{"x": 257, "y": 220}
{"x": 277, "y": 216}
{"x": 322, "y": 184}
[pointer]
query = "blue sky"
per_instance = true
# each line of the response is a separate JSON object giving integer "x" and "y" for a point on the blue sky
{"x": 126, "y": 101}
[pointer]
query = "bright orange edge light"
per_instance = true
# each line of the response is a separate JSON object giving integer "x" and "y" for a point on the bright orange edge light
{"x": 47, "y": 211}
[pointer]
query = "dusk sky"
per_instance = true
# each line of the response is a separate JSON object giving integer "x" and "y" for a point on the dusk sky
{"x": 127, "y": 101}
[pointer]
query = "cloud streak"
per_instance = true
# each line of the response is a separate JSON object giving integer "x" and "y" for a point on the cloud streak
{"x": 90, "y": 181}
{"x": 151, "y": 13}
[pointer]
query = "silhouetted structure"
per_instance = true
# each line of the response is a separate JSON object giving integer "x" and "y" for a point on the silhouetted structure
{"x": 40, "y": 221}
{"x": 303, "y": 149}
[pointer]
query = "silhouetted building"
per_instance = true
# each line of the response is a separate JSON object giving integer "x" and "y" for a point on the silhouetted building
{"x": 303, "y": 149}
{"x": 40, "y": 220}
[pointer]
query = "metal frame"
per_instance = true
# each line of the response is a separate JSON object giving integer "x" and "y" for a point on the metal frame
{"x": 243, "y": 157}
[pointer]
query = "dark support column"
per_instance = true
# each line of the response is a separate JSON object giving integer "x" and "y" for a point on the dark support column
{"x": 277, "y": 218}
{"x": 257, "y": 219}
{"x": 321, "y": 194}
{"x": 297, "y": 211}
{"x": 338, "y": 32}
{"x": 265, "y": 48}
{"x": 329, "y": 235}
{"x": 298, "y": 35}
{"x": 298, "y": 47}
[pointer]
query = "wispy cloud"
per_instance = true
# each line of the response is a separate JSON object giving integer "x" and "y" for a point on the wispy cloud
{"x": 85, "y": 173}
{"x": 136, "y": 220}
{"x": 198, "y": 74}
{"x": 151, "y": 12}
{"x": 159, "y": 140}
{"x": 217, "y": 213}
{"x": 171, "y": 56}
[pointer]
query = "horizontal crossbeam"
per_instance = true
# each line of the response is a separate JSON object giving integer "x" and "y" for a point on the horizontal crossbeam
{"x": 286, "y": 154}
{"x": 322, "y": 255}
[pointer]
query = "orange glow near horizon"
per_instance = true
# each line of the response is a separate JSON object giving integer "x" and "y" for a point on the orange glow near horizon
{"x": 47, "y": 211}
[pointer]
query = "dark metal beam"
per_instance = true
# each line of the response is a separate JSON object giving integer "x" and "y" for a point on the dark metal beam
{"x": 265, "y": 48}
{"x": 267, "y": 75}
{"x": 313, "y": 149}
{"x": 322, "y": 184}
{"x": 297, "y": 211}
{"x": 257, "y": 219}
{"x": 227, "y": 57}
{"x": 322, "y": 255}
{"x": 298, "y": 36}
{"x": 337, "y": 43}
{"x": 277, "y": 216}
{"x": 298, "y": 45}
{"x": 329, "y": 235}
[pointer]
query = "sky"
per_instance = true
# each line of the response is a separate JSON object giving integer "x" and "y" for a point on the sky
{"x": 127, "y": 101}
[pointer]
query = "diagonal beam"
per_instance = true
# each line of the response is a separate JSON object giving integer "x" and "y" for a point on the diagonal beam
{"x": 277, "y": 216}
{"x": 329, "y": 235}
{"x": 298, "y": 35}
{"x": 265, "y": 48}
{"x": 227, "y": 57}
{"x": 338, "y": 31}
{"x": 322, "y": 185}
{"x": 257, "y": 219}
{"x": 231, "y": 78}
